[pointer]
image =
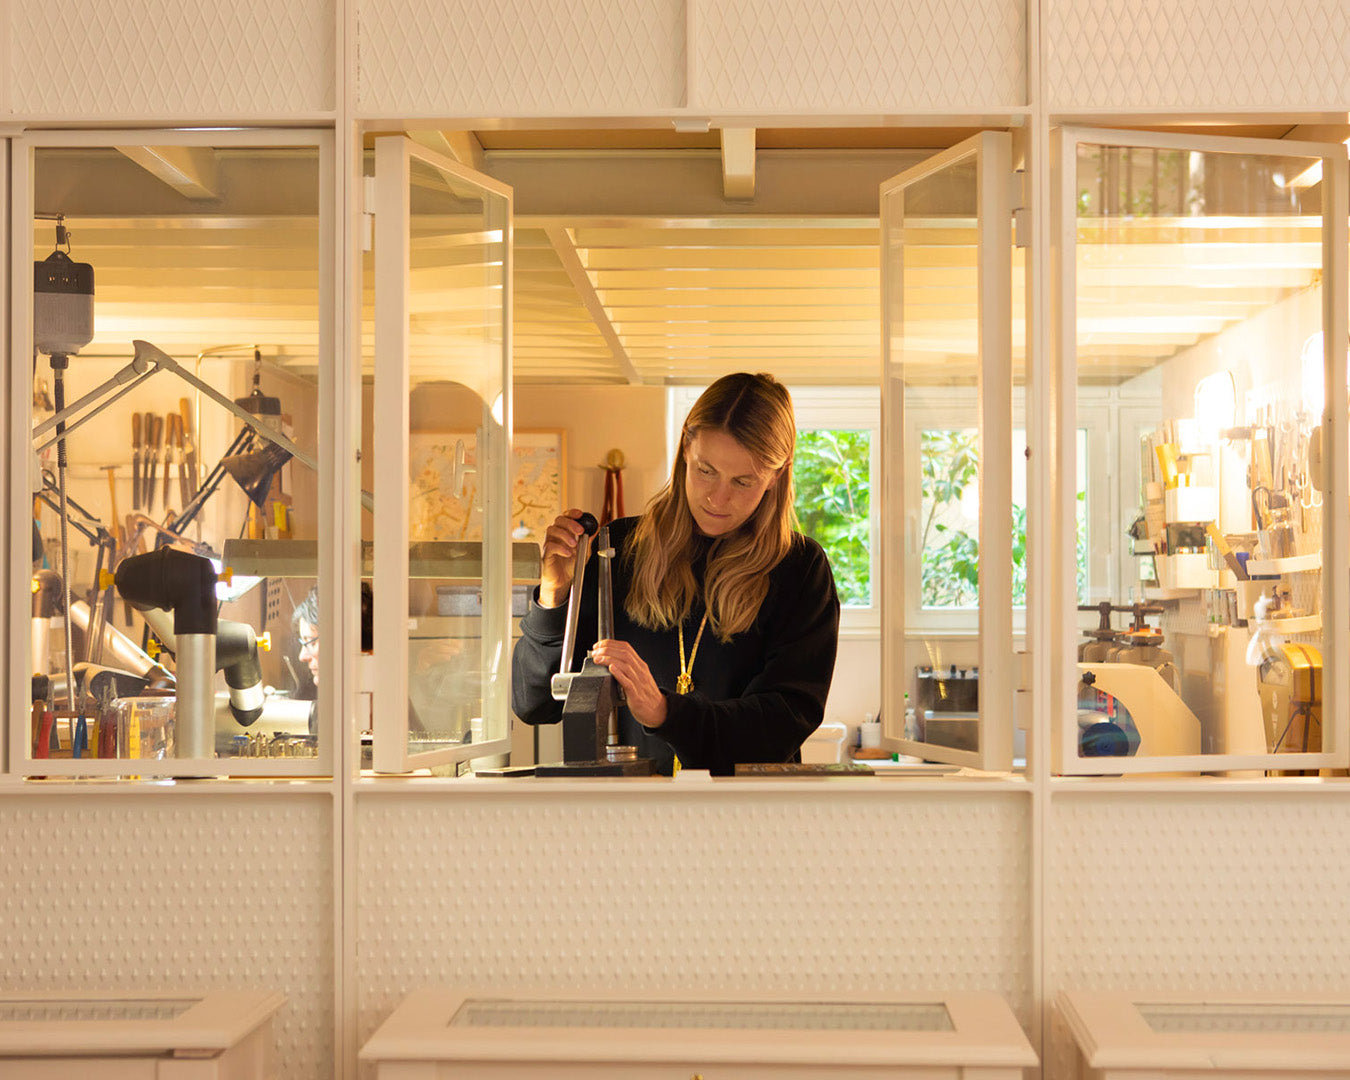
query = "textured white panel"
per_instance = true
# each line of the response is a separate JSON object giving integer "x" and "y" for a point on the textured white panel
{"x": 1207, "y": 54}
{"x": 829, "y": 55}
{"x": 1202, "y": 893}
{"x": 176, "y": 892}
{"x": 152, "y": 58}
{"x": 519, "y": 57}
{"x": 771, "y": 893}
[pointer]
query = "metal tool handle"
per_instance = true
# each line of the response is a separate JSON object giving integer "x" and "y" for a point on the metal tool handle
{"x": 589, "y": 525}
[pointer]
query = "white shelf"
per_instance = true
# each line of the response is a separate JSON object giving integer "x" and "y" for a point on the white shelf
{"x": 1305, "y": 624}
{"x": 1294, "y": 564}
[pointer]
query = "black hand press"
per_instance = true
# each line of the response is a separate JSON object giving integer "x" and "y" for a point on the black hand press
{"x": 591, "y": 696}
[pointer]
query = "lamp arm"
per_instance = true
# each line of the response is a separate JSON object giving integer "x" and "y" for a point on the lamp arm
{"x": 128, "y": 378}
{"x": 161, "y": 359}
{"x": 156, "y": 356}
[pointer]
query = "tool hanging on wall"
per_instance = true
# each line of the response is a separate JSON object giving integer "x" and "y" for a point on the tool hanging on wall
{"x": 170, "y": 422}
{"x": 613, "y": 505}
{"x": 185, "y": 432}
{"x": 154, "y": 426}
{"x": 137, "y": 461}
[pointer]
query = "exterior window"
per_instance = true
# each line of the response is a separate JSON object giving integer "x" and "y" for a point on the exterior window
{"x": 833, "y": 475}
{"x": 835, "y": 472}
{"x": 948, "y": 544}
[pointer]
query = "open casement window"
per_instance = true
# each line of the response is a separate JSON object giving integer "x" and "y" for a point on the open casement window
{"x": 442, "y": 449}
{"x": 947, "y": 259}
{"x": 156, "y": 251}
{"x": 1203, "y": 281}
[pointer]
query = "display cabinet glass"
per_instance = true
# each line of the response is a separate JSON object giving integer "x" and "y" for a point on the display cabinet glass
{"x": 1202, "y": 300}
{"x": 176, "y": 298}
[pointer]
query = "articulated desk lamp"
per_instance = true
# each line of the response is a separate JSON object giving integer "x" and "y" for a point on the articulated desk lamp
{"x": 591, "y": 696}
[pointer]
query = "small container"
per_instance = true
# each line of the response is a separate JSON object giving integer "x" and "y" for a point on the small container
{"x": 145, "y": 726}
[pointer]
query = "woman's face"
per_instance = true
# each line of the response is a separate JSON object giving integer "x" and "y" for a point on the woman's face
{"x": 723, "y": 482}
{"x": 309, "y": 647}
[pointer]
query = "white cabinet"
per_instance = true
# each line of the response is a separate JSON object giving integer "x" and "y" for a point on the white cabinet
{"x": 442, "y": 1033}
{"x": 226, "y": 1035}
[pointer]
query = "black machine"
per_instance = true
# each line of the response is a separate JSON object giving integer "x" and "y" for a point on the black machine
{"x": 591, "y": 696}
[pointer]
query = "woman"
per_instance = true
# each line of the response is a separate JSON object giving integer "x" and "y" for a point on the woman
{"x": 726, "y": 621}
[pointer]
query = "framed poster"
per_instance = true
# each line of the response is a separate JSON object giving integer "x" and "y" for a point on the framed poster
{"x": 443, "y": 502}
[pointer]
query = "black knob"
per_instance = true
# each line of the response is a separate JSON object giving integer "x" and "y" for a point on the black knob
{"x": 588, "y": 523}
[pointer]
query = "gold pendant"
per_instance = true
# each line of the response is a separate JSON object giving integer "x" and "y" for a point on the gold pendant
{"x": 684, "y": 683}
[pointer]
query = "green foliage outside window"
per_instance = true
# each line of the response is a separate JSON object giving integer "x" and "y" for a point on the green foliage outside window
{"x": 950, "y": 573}
{"x": 832, "y": 473}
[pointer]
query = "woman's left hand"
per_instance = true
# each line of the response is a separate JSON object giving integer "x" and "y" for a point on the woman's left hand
{"x": 644, "y": 698}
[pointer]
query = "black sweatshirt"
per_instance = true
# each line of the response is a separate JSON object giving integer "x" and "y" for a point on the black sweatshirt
{"x": 755, "y": 698}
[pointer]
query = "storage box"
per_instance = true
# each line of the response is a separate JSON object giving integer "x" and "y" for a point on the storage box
{"x": 1188, "y": 571}
{"x": 1185, "y": 504}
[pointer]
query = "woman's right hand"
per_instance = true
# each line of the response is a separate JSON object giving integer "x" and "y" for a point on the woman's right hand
{"x": 559, "y": 558}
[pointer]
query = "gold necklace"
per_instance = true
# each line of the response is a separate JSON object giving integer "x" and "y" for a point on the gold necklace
{"x": 685, "y": 682}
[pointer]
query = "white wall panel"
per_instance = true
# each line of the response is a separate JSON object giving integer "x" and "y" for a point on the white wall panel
{"x": 169, "y": 892}
{"x": 1244, "y": 892}
{"x": 860, "y": 55}
{"x": 165, "y": 58}
{"x": 519, "y": 57}
{"x": 1208, "y": 54}
{"x": 718, "y": 892}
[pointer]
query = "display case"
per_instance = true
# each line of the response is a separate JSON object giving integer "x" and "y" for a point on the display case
{"x": 1204, "y": 279}
{"x": 1121, "y": 1035}
{"x": 441, "y": 1033}
{"x": 222, "y": 1035}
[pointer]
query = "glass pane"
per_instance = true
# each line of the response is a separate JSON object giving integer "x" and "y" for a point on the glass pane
{"x": 796, "y": 1016}
{"x": 1262, "y": 1018}
{"x": 1198, "y": 278}
{"x": 936, "y": 356}
{"x": 193, "y": 250}
{"x": 457, "y": 454}
{"x": 832, "y": 474}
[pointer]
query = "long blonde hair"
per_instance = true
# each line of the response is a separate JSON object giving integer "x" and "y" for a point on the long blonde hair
{"x": 756, "y": 411}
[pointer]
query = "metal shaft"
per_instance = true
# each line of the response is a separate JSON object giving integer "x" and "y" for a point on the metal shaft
{"x": 605, "y": 617}
{"x": 569, "y": 644}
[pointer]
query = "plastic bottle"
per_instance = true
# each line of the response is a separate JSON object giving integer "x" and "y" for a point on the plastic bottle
{"x": 911, "y": 721}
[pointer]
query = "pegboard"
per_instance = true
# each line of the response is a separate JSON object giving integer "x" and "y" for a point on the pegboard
{"x": 1206, "y": 893}
{"x": 754, "y": 892}
{"x": 169, "y": 892}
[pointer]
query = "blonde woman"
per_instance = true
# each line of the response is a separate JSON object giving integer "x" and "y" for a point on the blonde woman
{"x": 726, "y": 620}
